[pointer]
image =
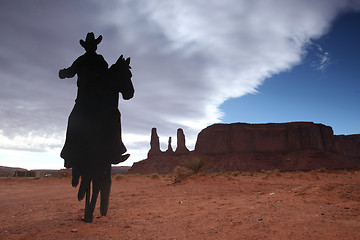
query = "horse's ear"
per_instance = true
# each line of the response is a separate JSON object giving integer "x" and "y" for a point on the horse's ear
{"x": 128, "y": 61}
{"x": 121, "y": 58}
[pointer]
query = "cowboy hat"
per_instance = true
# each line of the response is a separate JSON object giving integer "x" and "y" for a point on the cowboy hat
{"x": 90, "y": 40}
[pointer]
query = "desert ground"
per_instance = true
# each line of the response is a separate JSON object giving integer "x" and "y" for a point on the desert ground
{"x": 268, "y": 205}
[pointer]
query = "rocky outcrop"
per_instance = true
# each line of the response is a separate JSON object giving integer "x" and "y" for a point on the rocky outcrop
{"x": 348, "y": 145}
{"x": 154, "y": 144}
{"x": 252, "y": 147}
{"x": 169, "y": 149}
{"x": 181, "y": 147}
{"x": 271, "y": 137}
{"x": 163, "y": 163}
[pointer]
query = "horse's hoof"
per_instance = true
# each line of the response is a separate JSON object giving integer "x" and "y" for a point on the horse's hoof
{"x": 88, "y": 219}
{"x": 81, "y": 193}
{"x": 103, "y": 213}
{"x": 75, "y": 181}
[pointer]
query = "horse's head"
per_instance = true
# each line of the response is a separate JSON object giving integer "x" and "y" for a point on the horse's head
{"x": 120, "y": 74}
{"x": 122, "y": 61}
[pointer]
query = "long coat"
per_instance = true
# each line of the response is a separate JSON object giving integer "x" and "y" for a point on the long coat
{"x": 93, "y": 134}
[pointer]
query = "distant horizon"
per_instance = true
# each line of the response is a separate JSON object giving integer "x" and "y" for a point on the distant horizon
{"x": 163, "y": 149}
{"x": 45, "y": 169}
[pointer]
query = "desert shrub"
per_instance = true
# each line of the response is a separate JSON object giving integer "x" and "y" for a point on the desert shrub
{"x": 154, "y": 176}
{"x": 195, "y": 165}
{"x": 181, "y": 173}
{"x": 273, "y": 171}
{"x": 277, "y": 172}
{"x": 190, "y": 167}
{"x": 246, "y": 174}
{"x": 319, "y": 170}
{"x": 236, "y": 173}
{"x": 119, "y": 176}
{"x": 226, "y": 174}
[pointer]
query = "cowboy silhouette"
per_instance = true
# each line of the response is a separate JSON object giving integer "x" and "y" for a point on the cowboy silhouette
{"x": 93, "y": 138}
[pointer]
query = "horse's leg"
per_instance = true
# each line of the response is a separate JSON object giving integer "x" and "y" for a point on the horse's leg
{"x": 95, "y": 195}
{"x": 88, "y": 214}
{"x": 84, "y": 186}
{"x": 75, "y": 176}
{"x": 105, "y": 195}
{"x": 105, "y": 191}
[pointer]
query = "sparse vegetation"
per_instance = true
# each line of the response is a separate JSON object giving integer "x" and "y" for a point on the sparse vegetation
{"x": 190, "y": 167}
{"x": 196, "y": 165}
{"x": 118, "y": 176}
{"x": 246, "y": 174}
{"x": 272, "y": 171}
{"x": 320, "y": 170}
{"x": 197, "y": 204}
{"x": 181, "y": 173}
{"x": 154, "y": 176}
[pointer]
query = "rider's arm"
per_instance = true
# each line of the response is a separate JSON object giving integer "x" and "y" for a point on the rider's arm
{"x": 69, "y": 72}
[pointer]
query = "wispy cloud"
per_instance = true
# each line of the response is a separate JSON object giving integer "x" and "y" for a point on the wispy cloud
{"x": 323, "y": 59}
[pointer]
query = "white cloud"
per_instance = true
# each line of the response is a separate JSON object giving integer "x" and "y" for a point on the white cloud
{"x": 30, "y": 141}
{"x": 187, "y": 58}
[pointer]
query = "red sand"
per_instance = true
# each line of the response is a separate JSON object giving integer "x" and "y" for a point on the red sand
{"x": 312, "y": 205}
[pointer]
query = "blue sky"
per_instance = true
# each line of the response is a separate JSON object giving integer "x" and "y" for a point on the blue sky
{"x": 194, "y": 64}
{"x": 326, "y": 93}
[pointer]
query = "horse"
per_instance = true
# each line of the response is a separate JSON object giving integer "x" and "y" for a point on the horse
{"x": 108, "y": 137}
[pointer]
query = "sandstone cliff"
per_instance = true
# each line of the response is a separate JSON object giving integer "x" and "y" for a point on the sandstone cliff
{"x": 348, "y": 145}
{"x": 154, "y": 144}
{"x": 271, "y": 137}
{"x": 181, "y": 147}
{"x": 252, "y": 147}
